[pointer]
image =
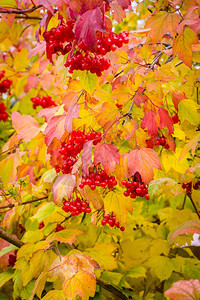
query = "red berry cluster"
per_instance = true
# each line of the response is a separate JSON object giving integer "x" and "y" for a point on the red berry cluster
{"x": 135, "y": 187}
{"x": 70, "y": 150}
{"x": 76, "y": 206}
{"x": 111, "y": 42}
{"x": 94, "y": 64}
{"x": 99, "y": 178}
{"x": 12, "y": 259}
{"x": 110, "y": 220}
{"x": 162, "y": 141}
{"x": 59, "y": 39}
{"x": 44, "y": 102}
{"x": 5, "y": 84}
{"x": 3, "y": 113}
{"x": 188, "y": 186}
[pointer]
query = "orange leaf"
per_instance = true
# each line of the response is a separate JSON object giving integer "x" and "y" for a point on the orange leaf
{"x": 107, "y": 155}
{"x": 190, "y": 146}
{"x": 183, "y": 46}
{"x": 184, "y": 290}
{"x": 143, "y": 161}
{"x": 65, "y": 236}
{"x": 26, "y": 127}
{"x": 93, "y": 196}
{"x": 160, "y": 23}
{"x": 63, "y": 186}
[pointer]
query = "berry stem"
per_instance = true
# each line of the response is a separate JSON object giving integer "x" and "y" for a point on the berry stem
{"x": 194, "y": 205}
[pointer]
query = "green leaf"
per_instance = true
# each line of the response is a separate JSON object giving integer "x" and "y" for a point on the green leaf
{"x": 7, "y": 249}
{"x": 188, "y": 110}
{"x": 6, "y": 276}
{"x": 88, "y": 81}
{"x": 44, "y": 211}
{"x": 162, "y": 267}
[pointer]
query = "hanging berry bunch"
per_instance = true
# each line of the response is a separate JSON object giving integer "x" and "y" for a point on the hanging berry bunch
{"x": 5, "y": 84}
{"x": 76, "y": 206}
{"x": 45, "y": 102}
{"x": 188, "y": 186}
{"x": 59, "y": 40}
{"x": 70, "y": 150}
{"x": 98, "y": 178}
{"x": 110, "y": 220}
{"x": 135, "y": 187}
{"x": 3, "y": 113}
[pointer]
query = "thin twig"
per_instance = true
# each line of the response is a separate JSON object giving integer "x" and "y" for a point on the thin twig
{"x": 19, "y": 12}
{"x": 194, "y": 205}
{"x": 10, "y": 238}
{"x": 23, "y": 203}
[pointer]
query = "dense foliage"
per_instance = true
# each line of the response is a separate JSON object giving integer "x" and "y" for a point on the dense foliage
{"x": 99, "y": 139}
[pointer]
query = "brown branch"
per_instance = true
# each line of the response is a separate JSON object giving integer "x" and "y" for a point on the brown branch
{"x": 23, "y": 203}
{"x": 28, "y": 18}
{"x": 10, "y": 238}
{"x": 194, "y": 205}
{"x": 19, "y": 12}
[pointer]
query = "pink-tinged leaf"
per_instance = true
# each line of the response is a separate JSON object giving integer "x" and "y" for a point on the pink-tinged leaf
{"x": 150, "y": 122}
{"x": 124, "y": 3}
{"x": 26, "y": 127}
{"x": 87, "y": 26}
{"x": 63, "y": 187}
{"x": 86, "y": 156}
{"x": 72, "y": 113}
{"x": 46, "y": 81}
{"x": 190, "y": 146}
{"x": 191, "y": 226}
{"x": 48, "y": 113}
{"x": 8, "y": 18}
{"x": 47, "y": 4}
{"x": 176, "y": 98}
{"x": 32, "y": 83}
{"x": 183, "y": 46}
{"x": 140, "y": 97}
{"x": 117, "y": 11}
{"x": 184, "y": 290}
{"x": 40, "y": 48}
{"x": 55, "y": 128}
{"x": 69, "y": 99}
{"x": 143, "y": 161}
{"x": 191, "y": 18}
{"x": 42, "y": 65}
{"x": 107, "y": 155}
{"x": 165, "y": 120}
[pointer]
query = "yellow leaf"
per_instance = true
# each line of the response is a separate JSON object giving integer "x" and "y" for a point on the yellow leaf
{"x": 117, "y": 203}
{"x": 21, "y": 61}
{"x": 88, "y": 81}
{"x": 102, "y": 253}
{"x": 65, "y": 236}
{"x": 170, "y": 160}
{"x": 188, "y": 110}
{"x": 54, "y": 295}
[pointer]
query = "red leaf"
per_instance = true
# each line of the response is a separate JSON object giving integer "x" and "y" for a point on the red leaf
{"x": 72, "y": 113}
{"x": 124, "y": 3}
{"x": 191, "y": 226}
{"x": 107, "y": 155}
{"x": 87, "y": 26}
{"x": 176, "y": 98}
{"x": 55, "y": 128}
{"x": 184, "y": 290}
{"x": 86, "y": 156}
{"x": 27, "y": 127}
{"x": 143, "y": 161}
{"x": 165, "y": 120}
{"x": 63, "y": 187}
{"x": 149, "y": 121}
